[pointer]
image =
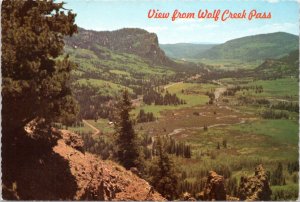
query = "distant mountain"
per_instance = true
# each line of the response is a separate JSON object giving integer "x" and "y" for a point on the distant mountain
{"x": 128, "y": 40}
{"x": 185, "y": 50}
{"x": 285, "y": 66}
{"x": 252, "y": 48}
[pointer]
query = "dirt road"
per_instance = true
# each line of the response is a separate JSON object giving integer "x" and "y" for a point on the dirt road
{"x": 218, "y": 92}
{"x": 96, "y": 130}
{"x": 172, "y": 84}
{"x": 179, "y": 130}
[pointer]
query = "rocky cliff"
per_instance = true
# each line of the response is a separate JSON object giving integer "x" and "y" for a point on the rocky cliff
{"x": 128, "y": 40}
{"x": 65, "y": 172}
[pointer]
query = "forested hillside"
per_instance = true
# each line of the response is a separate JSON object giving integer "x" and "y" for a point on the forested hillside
{"x": 285, "y": 66}
{"x": 251, "y": 48}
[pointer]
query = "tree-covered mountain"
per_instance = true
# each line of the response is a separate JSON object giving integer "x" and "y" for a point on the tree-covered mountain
{"x": 185, "y": 50}
{"x": 128, "y": 40}
{"x": 251, "y": 48}
{"x": 276, "y": 68}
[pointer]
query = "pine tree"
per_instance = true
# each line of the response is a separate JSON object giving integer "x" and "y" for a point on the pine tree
{"x": 35, "y": 82}
{"x": 224, "y": 142}
{"x": 164, "y": 177}
{"x": 277, "y": 177}
{"x": 35, "y": 77}
{"x": 128, "y": 151}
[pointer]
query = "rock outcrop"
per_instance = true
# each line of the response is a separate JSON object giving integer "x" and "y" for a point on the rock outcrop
{"x": 188, "y": 197}
{"x": 73, "y": 140}
{"x": 64, "y": 172}
{"x": 255, "y": 188}
{"x": 128, "y": 40}
{"x": 214, "y": 188}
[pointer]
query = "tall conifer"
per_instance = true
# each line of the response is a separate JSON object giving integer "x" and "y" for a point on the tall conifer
{"x": 35, "y": 76}
{"x": 128, "y": 151}
{"x": 164, "y": 177}
{"x": 34, "y": 80}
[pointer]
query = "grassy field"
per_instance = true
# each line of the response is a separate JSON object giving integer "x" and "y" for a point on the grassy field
{"x": 115, "y": 71}
{"x": 192, "y": 93}
{"x": 280, "y": 130}
{"x": 102, "y": 125}
{"x": 228, "y": 64}
{"x": 247, "y": 145}
{"x": 286, "y": 88}
{"x": 105, "y": 87}
{"x": 83, "y": 128}
{"x": 106, "y": 130}
{"x": 250, "y": 140}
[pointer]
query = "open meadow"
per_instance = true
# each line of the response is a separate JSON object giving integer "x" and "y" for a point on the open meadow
{"x": 229, "y": 136}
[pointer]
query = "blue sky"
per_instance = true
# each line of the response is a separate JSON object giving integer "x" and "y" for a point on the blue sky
{"x": 116, "y": 14}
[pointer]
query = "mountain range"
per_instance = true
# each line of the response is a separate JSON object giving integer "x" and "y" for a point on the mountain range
{"x": 185, "y": 50}
{"x": 250, "y": 48}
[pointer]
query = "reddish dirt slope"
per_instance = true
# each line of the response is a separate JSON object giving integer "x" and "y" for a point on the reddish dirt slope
{"x": 102, "y": 180}
{"x": 61, "y": 171}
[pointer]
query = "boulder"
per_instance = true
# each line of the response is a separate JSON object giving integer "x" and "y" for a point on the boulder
{"x": 73, "y": 140}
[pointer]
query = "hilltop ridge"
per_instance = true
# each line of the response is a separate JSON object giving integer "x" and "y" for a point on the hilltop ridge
{"x": 127, "y": 40}
{"x": 256, "y": 47}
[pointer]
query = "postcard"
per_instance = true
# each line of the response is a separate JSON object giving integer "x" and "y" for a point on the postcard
{"x": 150, "y": 100}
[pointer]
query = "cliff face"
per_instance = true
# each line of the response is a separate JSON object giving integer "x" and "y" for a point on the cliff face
{"x": 66, "y": 173}
{"x": 127, "y": 40}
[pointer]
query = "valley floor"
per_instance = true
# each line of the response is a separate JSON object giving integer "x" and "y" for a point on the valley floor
{"x": 226, "y": 136}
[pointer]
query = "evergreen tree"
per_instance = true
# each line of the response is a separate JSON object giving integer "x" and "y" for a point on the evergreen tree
{"x": 224, "y": 142}
{"x": 164, "y": 177}
{"x": 35, "y": 82}
{"x": 128, "y": 151}
{"x": 277, "y": 177}
{"x": 35, "y": 78}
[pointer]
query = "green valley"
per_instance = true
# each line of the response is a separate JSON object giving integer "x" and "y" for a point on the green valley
{"x": 230, "y": 115}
